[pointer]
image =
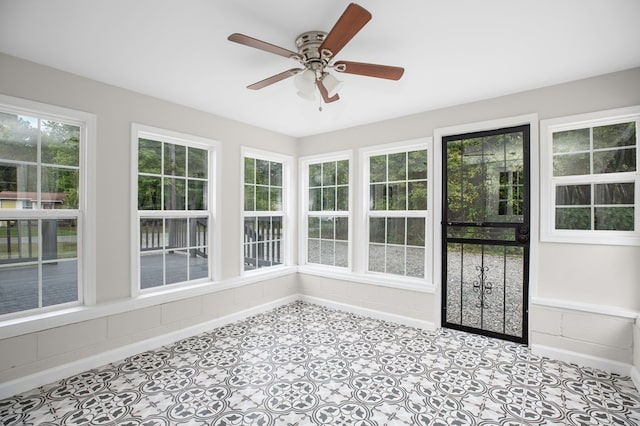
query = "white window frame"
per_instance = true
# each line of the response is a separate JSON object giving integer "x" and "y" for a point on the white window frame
{"x": 86, "y": 212}
{"x": 548, "y": 182}
{"x": 288, "y": 201}
{"x": 363, "y": 243}
{"x": 147, "y": 132}
{"x": 304, "y": 163}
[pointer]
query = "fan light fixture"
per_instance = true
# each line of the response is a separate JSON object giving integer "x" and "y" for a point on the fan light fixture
{"x": 332, "y": 84}
{"x": 305, "y": 82}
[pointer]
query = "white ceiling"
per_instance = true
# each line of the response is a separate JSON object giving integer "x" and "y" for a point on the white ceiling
{"x": 453, "y": 51}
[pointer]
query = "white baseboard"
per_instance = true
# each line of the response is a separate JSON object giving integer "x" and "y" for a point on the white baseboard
{"x": 54, "y": 374}
{"x": 635, "y": 376}
{"x": 385, "y": 316}
{"x": 582, "y": 360}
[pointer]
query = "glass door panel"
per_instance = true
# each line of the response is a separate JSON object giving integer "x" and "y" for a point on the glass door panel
{"x": 486, "y": 232}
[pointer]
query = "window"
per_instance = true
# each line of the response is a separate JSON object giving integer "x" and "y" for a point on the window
{"x": 397, "y": 181}
{"x": 174, "y": 207}
{"x": 265, "y": 186}
{"x": 45, "y": 213}
{"x": 592, "y": 178}
{"x": 326, "y": 217}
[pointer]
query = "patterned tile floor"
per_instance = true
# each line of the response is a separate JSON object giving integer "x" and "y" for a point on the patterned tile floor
{"x": 303, "y": 364}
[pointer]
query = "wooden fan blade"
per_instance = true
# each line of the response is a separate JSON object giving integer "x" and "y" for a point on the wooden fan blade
{"x": 352, "y": 20}
{"x": 274, "y": 78}
{"x": 369, "y": 70}
{"x": 263, "y": 45}
{"x": 325, "y": 93}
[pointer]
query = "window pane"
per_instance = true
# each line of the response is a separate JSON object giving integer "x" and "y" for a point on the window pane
{"x": 329, "y": 173}
{"x": 342, "y": 172}
{"x": 18, "y": 184}
{"x": 342, "y": 254}
{"x": 197, "y": 195}
{"x": 571, "y": 141}
{"x": 175, "y": 159}
{"x": 176, "y": 266}
{"x": 275, "y": 199}
{"x": 60, "y": 143}
{"x": 415, "y": 231}
{"x": 151, "y": 269}
{"x": 249, "y": 198}
{"x": 149, "y": 193}
{"x": 249, "y": 170}
{"x": 571, "y": 165}
{"x": 327, "y": 252}
{"x": 378, "y": 197}
{"x": 315, "y": 199}
{"x": 198, "y": 163}
{"x": 262, "y": 172}
{"x": 199, "y": 237}
{"x": 573, "y": 218}
{"x": 174, "y": 194}
{"x": 262, "y": 198}
{"x": 59, "y": 239}
{"x": 395, "y": 230}
{"x": 623, "y": 134}
{"x": 18, "y": 240}
{"x": 397, "y": 166}
{"x": 59, "y": 188}
{"x": 149, "y": 156}
{"x": 21, "y": 281}
{"x": 395, "y": 260}
{"x": 573, "y": 195}
{"x": 397, "y": 196}
{"x": 342, "y": 228}
{"x": 198, "y": 264}
{"x": 418, "y": 195}
{"x": 619, "y": 160}
{"x": 59, "y": 282}
{"x": 614, "y": 193}
{"x": 343, "y": 198}
{"x": 314, "y": 227}
{"x": 250, "y": 229}
{"x": 377, "y": 230}
{"x": 376, "y": 257}
{"x": 177, "y": 233}
{"x": 313, "y": 251}
{"x": 329, "y": 198}
{"x": 18, "y": 137}
{"x": 152, "y": 234}
{"x": 378, "y": 168}
{"x": 276, "y": 174}
{"x": 315, "y": 175}
{"x": 614, "y": 218}
{"x": 418, "y": 164}
{"x": 415, "y": 262}
{"x": 327, "y": 228}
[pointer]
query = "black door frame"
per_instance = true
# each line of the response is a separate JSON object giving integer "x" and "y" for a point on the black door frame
{"x": 522, "y": 240}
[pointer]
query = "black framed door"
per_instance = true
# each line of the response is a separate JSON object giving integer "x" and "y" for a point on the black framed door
{"x": 485, "y": 232}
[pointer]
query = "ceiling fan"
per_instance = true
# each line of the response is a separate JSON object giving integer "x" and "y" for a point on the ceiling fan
{"x": 316, "y": 53}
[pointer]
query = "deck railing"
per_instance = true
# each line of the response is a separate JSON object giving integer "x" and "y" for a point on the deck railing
{"x": 19, "y": 240}
{"x": 179, "y": 234}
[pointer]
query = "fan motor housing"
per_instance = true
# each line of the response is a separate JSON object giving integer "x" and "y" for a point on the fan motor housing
{"x": 309, "y": 48}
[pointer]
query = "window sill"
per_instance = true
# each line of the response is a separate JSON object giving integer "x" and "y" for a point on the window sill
{"x": 411, "y": 284}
